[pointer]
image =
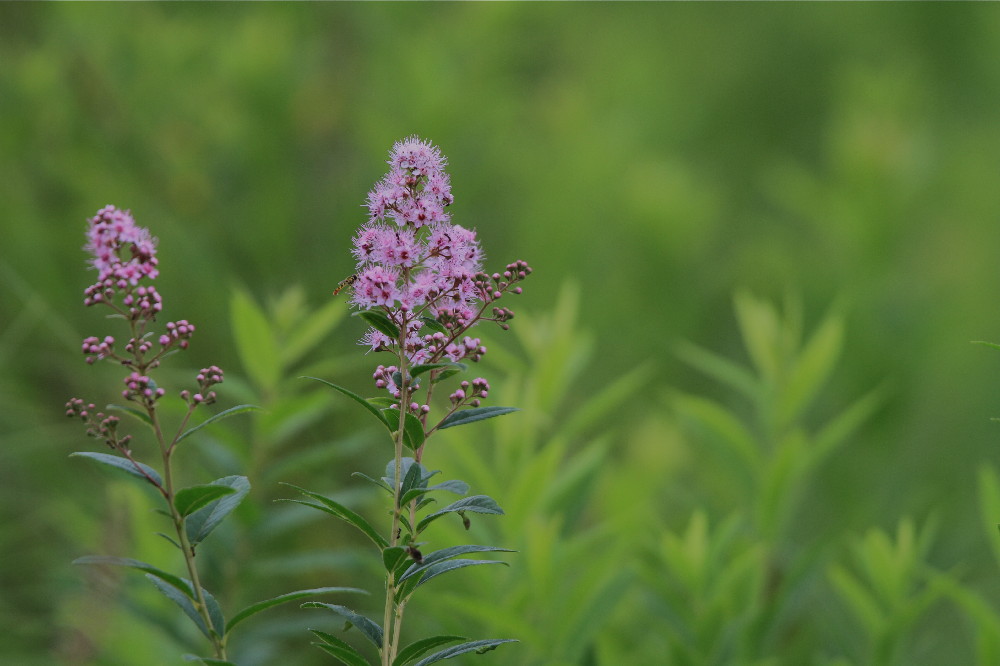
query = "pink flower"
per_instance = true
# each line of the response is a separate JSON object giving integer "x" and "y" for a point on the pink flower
{"x": 121, "y": 250}
{"x": 416, "y": 190}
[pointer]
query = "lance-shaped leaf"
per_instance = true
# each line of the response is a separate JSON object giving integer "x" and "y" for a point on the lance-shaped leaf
{"x": 381, "y": 484}
{"x": 208, "y": 660}
{"x": 187, "y": 605}
{"x": 479, "y": 647}
{"x": 417, "y": 648}
{"x": 418, "y": 370}
{"x": 405, "y": 463}
{"x": 284, "y": 598}
{"x": 413, "y": 479}
{"x": 339, "y": 649}
{"x": 474, "y": 414}
{"x": 201, "y": 523}
{"x": 435, "y": 325}
{"x": 356, "y": 398}
{"x": 436, "y": 570}
{"x": 134, "y": 413}
{"x": 453, "y": 486}
{"x": 339, "y": 510}
{"x": 392, "y": 556}
{"x": 379, "y": 321}
{"x": 188, "y": 500}
{"x": 232, "y": 411}
{"x": 413, "y": 429}
{"x": 173, "y": 580}
{"x": 446, "y": 554}
{"x": 370, "y": 629}
{"x": 475, "y": 504}
{"x": 148, "y": 474}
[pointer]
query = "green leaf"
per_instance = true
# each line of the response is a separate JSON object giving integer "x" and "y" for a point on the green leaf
{"x": 307, "y": 334}
{"x": 232, "y": 411}
{"x": 186, "y": 604}
{"x": 436, "y": 570}
{"x": 446, "y": 554}
{"x": 171, "y": 540}
{"x": 188, "y": 500}
{"x": 474, "y": 414}
{"x": 356, "y": 398}
{"x": 381, "y": 484}
{"x": 256, "y": 341}
{"x": 811, "y": 369}
{"x": 760, "y": 328}
{"x": 339, "y": 649}
{"x": 382, "y": 402}
{"x": 413, "y": 436}
{"x": 719, "y": 368}
{"x": 200, "y": 524}
{"x": 454, "y": 486}
{"x": 379, "y": 321}
{"x": 414, "y": 477}
{"x": 370, "y": 629}
{"x": 991, "y": 345}
{"x": 208, "y": 660}
{"x": 139, "y": 414}
{"x": 173, "y": 580}
{"x": 435, "y": 325}
{"x": 418, "y": 370}
{"x": 392, "y": 556}
{"x": 124, "y": 464}
{"x": 475, "y": 504}
{"x": 339, "y": 510}
{"x": 417, "y": 648}
{"x": 406, "y": 463}
{"x": 253, "y": 609}
{"x": 479, "y": 647}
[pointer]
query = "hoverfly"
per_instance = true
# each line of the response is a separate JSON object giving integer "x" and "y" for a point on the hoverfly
{"x": 346, "y": 282}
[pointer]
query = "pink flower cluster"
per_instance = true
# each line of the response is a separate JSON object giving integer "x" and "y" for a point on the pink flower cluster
{"x": 416, "y": 189}
{"x": 123, "y": 253}
{"x": 414, "y": 265}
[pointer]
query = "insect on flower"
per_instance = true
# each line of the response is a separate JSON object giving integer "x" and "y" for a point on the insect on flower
{"x": 346, "y": 282}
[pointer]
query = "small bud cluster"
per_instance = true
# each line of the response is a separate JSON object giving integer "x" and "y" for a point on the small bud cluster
{"x": 177, "y": 333}
{"x": 98, "y": 424}
{"x": 142, "y": 389}
{"x": 385, "y": 378}
{"x": 207, "y": 378}
{"x": 96, "y": 349}
{"x": 389, "y": 378}
{"x": 470, "y": 394}
{"x": 493, "y": 287}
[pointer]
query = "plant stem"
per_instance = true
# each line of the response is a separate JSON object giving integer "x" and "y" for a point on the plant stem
{"x": 218, "y": 642}
{"x": 390, "y": 638}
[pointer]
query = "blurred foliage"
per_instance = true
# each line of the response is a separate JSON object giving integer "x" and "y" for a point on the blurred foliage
{"x": 661, "y": 155}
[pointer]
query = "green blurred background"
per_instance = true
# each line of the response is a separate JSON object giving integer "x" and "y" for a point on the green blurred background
{"x": 659, "y": 156}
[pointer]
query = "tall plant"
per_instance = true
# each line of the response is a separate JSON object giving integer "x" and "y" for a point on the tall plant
{"x": 420, "y": 287}
{"x": 124, "y": 255}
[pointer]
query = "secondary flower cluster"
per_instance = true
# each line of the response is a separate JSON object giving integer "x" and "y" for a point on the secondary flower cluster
{"x": 418, "y": 269}
{"x": 123, "y": 253}
{"x": 124, "y": 256}
{"x": 98, "y": 424}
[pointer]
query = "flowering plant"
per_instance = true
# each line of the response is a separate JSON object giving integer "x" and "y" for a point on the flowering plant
{"x": 124, "y": 256}
{"x": 420, "y": 286}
